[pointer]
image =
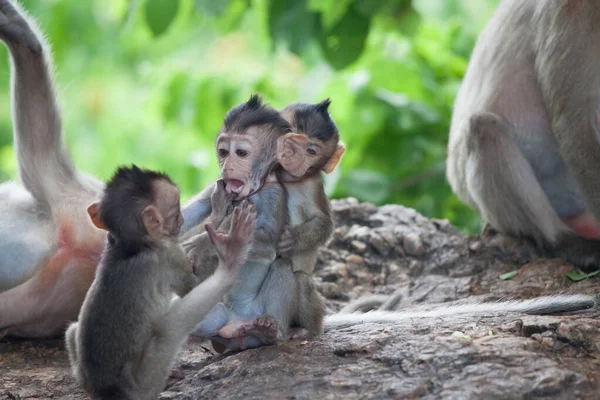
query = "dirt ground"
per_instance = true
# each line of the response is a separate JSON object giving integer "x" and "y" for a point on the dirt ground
{"x": 385, "y": 250}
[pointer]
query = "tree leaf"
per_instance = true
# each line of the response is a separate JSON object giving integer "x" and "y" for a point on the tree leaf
{"x": 409, "y": 22}
{"x": 293, "y": 23}
{"x": 160, "y": 14}
{"x": 212, "y": 8}
{"x": 575, "y": 277}
{"x": 366, "y": 185}
{"x": 345, "y": 42}
{"x": 331, "y": 10}
{"x": 509, "y": 275}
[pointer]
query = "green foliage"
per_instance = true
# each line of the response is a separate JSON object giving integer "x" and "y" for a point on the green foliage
{"x": 576, "y": 277}
{"x": 509, "y": 275}
{"x": 149, "y": 81}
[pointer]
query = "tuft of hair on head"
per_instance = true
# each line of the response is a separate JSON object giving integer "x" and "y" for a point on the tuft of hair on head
{"x": 314, "y": 121}
{"x": 129, "y": 187}
{"x": 323, "y": 107}
{"x": 254, "y": 112}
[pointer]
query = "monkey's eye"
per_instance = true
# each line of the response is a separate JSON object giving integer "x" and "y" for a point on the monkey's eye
{"x": 223, "y": 153}
{"x": 241, "y": 153}
{"x": 311, "y": 152}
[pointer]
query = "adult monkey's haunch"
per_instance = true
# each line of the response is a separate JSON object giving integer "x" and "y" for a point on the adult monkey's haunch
{"x": 44, "y": 228}
{"x": 524, "y": 145}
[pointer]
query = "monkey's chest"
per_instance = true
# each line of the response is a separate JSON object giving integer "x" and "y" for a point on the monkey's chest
{"x": 298, "y": 206}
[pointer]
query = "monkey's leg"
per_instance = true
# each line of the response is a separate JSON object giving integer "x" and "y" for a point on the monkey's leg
{"x": 279, "y": 295}
{"x": 502, "y": 184}
{"x": 310, "y": 308}
{"x": 14, "y": 30}
{"x": 276, "y": 301}
{"x": 53, "y": 296}
{"x": 174, "y": 329}
{"x": 214, "y": 320}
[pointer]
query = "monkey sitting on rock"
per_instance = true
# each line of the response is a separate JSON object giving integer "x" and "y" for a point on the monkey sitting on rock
{"x": 287, "y": 296}
{"x": 130, "y": 328}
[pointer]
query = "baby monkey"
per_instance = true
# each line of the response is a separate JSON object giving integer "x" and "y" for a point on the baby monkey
{"x": 313, "y": 146}
{"x": 130, "y": 326}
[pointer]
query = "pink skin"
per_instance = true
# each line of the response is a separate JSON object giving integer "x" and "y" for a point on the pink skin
{"x": 584, "y": 225}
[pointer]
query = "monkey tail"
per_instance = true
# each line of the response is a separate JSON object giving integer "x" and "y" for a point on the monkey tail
{"x": 547, "y": 305}
{"x": 503, "y": 185}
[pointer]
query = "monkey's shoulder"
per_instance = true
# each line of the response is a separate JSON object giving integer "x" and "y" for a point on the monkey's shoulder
{"x": 269, "y": 197}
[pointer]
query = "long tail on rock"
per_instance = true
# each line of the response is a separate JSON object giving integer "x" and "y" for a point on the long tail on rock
{"x": 548, "y": 305}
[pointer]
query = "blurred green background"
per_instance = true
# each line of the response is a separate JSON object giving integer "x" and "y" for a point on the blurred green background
{"x": 149, "y": 81}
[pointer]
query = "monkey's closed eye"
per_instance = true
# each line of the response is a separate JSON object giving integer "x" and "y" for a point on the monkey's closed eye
{"x": 312, "y": 152}
{"x": 241, "y": 153}
{"x": 223, "y": 153}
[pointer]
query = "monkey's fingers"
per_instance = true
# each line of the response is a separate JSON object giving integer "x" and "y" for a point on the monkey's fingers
{"x": 248, "y": 224}
{"x": 285, "y": 246}
{"x": 239, "y": 214}
{"x": 218, "y": 240}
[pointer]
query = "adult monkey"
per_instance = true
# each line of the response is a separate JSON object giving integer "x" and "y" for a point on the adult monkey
{"x": 524, "y": 145}
{"x": 44, "y": 226}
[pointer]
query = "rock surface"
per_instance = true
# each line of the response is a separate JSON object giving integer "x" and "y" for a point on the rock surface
{"x": 386, "y": 250}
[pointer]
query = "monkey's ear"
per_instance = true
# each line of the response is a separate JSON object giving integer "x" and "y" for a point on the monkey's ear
{"x": 290, "y": 152}
{"x": 153, "y": 222}
{"x": 335, "y": 159}
{"x": 93, "y": 213}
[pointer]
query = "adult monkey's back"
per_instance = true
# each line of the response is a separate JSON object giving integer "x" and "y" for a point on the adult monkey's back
{"x": 44, "y": 230}
{"x": 524, "y": 145}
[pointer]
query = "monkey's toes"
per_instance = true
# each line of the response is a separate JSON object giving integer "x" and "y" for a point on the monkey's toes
{"x": 299, "y": 334}
{"x": 265, "y": 329}
{"x": 218, "y": 347}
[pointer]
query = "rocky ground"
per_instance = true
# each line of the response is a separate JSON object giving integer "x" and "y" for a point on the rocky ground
{"x": 386, "y": 250}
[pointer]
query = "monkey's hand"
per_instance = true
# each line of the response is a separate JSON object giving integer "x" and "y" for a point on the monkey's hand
{"x": 221, "y": 203}
{"x": 233, "y": 248}
{"x": 286, "y": 241}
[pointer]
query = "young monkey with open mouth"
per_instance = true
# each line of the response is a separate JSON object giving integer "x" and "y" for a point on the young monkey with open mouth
{"x": 288, "y": 296}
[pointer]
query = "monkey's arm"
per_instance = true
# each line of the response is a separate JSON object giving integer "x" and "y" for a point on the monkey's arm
{"x": 270, "y": 205}
{"x": 197, "y": 209}
{"x": 313, "y": 233}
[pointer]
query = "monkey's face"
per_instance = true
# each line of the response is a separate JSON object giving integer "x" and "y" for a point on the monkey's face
{"x": 300, "y": 155}
{"x": 237, "y": 156}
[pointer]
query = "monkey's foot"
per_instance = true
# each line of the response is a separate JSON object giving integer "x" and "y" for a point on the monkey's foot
{"x": 14, "y": 28}
{"x": 299, "y": 334}
{"x": 488, "y": 231}
{"x": 218, "y": 346}
{"x": 263, "y": 328}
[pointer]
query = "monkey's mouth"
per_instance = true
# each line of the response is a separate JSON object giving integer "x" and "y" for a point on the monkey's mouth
{"x": 234, "y": 185}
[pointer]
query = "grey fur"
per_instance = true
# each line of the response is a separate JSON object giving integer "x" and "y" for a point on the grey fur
{"x": 539, "y": 306}
{"x": 524, "y": 149}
